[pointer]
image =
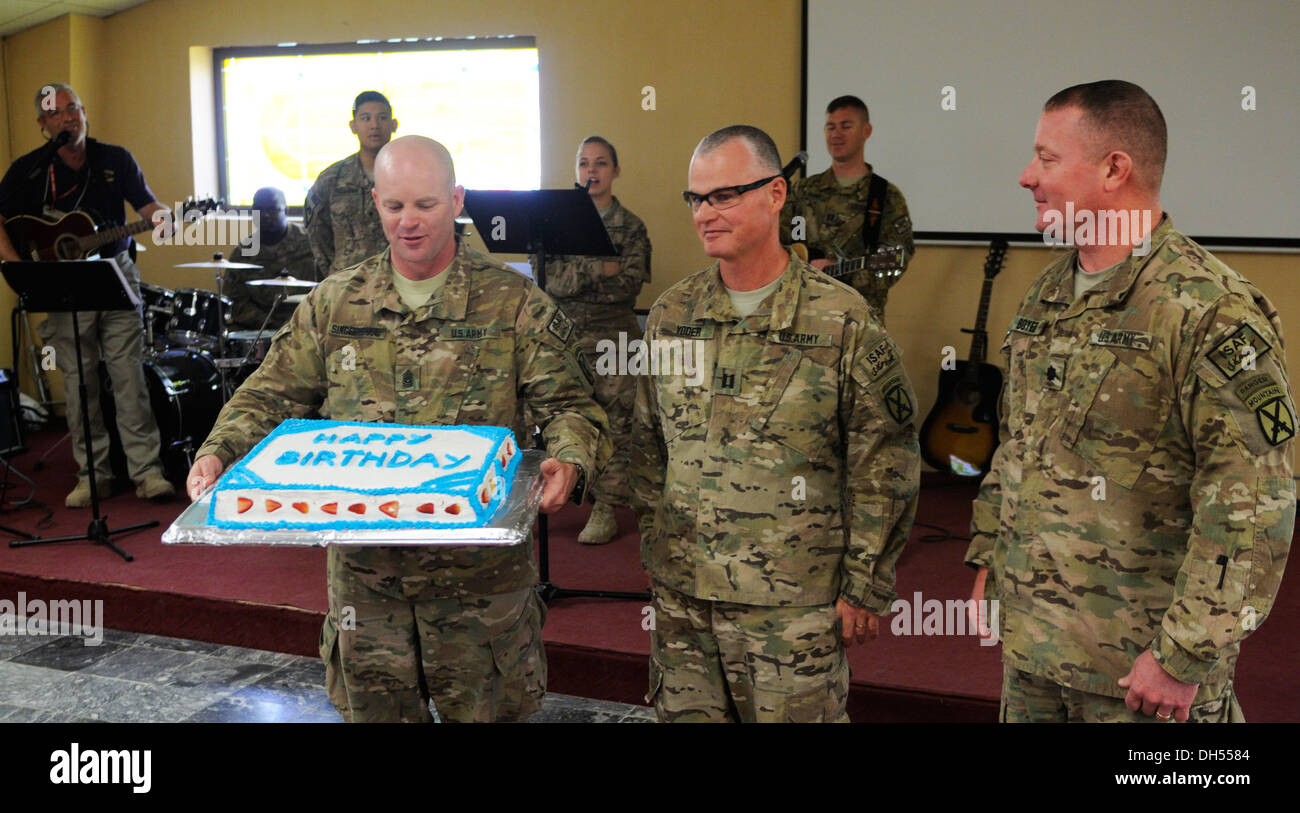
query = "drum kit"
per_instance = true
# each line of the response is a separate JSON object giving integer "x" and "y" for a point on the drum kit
{"x": 193, "y": 361}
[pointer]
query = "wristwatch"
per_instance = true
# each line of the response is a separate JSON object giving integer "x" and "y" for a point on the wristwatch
{"x": 580, "y": 487}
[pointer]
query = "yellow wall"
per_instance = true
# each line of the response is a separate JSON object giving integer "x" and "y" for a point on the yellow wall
{"x": 711, "y": 64}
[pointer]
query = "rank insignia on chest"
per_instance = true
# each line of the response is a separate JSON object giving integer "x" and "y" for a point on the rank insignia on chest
{"x": 408, "y": 379}
{"x": 897, "y": 400}
{"x": 1054, "y": 377}
{"x": 726, "y": 381}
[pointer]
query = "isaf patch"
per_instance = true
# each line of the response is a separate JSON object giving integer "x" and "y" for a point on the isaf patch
{"x": 1230, "y": 354}
{"x": 879, "y": 359}
{"x": 898, "y": 401}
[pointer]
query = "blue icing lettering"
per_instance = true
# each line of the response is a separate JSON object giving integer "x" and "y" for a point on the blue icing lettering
{"x": 324, "y": 456}
{"x": 397, "y": 459}
{"x": 349, "y": 454}
{"x": 305, "y": 459}
{"x": 377, "y": 459}
{"x": 452, "y": 462}
{"x": 393, "y": 438}
{"x": 353, "y": 438}
{"x": 373, "y": 436}
{"x": 431, "y": 459}
{"x": 415, "y": 440}
{"x": 287, "y": 458}
{"x": 324, "y": 438}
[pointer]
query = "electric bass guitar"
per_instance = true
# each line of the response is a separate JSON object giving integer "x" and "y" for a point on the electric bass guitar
{"x": 75, "y": 235}
{"x": 961, "y": 432}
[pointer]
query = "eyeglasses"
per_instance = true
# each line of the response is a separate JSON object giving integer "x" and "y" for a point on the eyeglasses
{"x": 723, "y": 198}
{"x": 70, "y": 110}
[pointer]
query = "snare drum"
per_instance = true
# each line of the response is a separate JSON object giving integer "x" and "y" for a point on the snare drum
{"x": 198, "y": 317}
{"x": 158, "y": 302}
{"x": 250, "y": 345}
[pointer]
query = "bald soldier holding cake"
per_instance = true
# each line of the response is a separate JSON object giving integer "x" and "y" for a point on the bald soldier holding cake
{"x": 428, "y": 332}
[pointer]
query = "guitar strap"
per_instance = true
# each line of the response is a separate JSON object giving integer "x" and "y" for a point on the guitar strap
{"x": 876, "y": 190}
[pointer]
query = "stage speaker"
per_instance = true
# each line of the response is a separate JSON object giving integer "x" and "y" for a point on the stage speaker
{"x": 11, "y": 425}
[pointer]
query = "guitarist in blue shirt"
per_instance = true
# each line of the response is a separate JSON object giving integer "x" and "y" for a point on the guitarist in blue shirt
{"x": 74, "y": 173}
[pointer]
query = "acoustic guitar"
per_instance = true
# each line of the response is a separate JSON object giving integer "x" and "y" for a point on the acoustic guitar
{"x": 961, "y": 432}
{"x": 75, "y": 235}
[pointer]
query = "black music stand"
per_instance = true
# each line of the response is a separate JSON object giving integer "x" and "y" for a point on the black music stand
{"x": 542, "y": 222}
{"x": 69, "y": 287}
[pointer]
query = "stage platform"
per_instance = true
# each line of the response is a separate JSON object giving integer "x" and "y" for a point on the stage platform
{"x": 275, "y": 598}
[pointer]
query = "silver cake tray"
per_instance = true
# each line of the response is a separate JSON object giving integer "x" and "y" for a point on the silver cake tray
{"x": 511, "y": 525}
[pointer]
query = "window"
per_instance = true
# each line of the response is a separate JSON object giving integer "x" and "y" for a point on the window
{"x": 283, "y": 111}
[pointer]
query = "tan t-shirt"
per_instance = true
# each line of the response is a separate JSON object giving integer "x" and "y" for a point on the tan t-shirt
{"x": 417, "y": 293}
{"x": 746, "y": 302}
{"x": 1085, "y": 282}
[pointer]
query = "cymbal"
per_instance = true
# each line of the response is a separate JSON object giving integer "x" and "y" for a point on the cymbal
{"x": 219, "y": 264}
{"x": 283, "y": 282}
{"x": 294, "y": 299}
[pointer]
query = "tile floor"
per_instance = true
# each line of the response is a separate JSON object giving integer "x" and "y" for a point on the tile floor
{"x": 132, "y": 677}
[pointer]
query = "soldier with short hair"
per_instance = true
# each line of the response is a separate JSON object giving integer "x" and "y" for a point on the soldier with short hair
{"x": 1139, "y": 510}
{"x": 850, "y": 210}
{"x": 339, "y": 217}
{"x": 428, "y": 332}
{"x": 599, "y": 294}
{"x": 775, "y": 479}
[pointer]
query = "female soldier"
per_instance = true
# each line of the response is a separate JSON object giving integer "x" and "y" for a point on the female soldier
{"x": 598, "y": 294}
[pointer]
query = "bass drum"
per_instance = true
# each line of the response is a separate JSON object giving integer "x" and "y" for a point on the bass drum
{"x": 185, "y": 393}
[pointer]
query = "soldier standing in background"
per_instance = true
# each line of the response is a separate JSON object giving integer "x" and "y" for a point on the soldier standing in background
{"x": 440, "y": 334}
{"x": 776, "y": 487}
{"x": 339, "y": 215}
{"x": 849, "y": 210}
{"x": 599, "y": 295}
{"x": 282, "y": 248}
{"x": 1140, "y": 507}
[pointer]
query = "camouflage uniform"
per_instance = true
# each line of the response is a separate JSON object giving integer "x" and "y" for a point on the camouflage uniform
{"x": 291, "y": 255}
{"x": 340, "y": 217}
{"x": 1141, "y": 388}
{"x": 601, "y": 307}
{"x": 428, "y": 619}
{"x": 833, "y": 217}
{"x": 784, "y": 479}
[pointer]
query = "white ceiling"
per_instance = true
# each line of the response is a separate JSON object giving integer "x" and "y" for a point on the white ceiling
{"x": 17, "y": 15}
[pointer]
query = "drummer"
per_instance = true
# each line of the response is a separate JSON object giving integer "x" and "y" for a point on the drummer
{"x": 282, "y": 248}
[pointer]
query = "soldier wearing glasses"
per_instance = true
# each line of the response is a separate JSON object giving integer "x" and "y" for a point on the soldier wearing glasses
{"x": 776, "y": 486}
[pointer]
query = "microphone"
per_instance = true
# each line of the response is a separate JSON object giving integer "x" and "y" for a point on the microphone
{"x": 586, "y": 187}
{"x": 47, "y": 152}
{"x": 800, "y": 161}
